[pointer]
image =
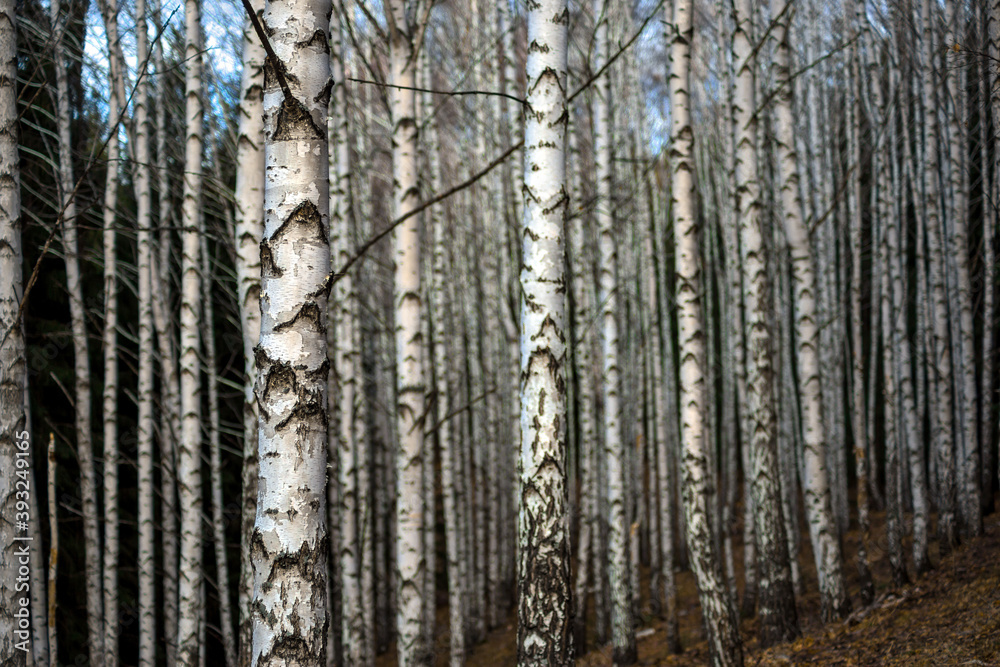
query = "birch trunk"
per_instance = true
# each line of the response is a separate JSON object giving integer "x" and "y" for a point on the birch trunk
{"x": 288, "y": 545}
{"x": 834, "y": 601}
{"x": 725, "y": 648}
{"x": 249, "y": 229}
{"x": 615, "y": 449}
{"x": 943, "y": 439}
{"x": 443, "y": 403}
{"x": 14, "y": 436}
{"x": 144, "y": 445}
{"x": 857, "y": 341}
{"x": 543, "y": 580}
{"x": 958, "y": 252}
{"x": 190, "y": 608}
{"x": 778, "y": 617}
{"x": 81, "y": 366}
{"x": 582, "y": 272}
{"x": 410, "y": 558}
{"x": 110, "y": 340}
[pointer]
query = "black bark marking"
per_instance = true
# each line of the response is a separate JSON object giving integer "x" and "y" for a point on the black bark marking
{"x": 309, "y": 314}
{"x": 295, "y": 123}
{"x": 323, "y": 98}
{"x": 268, "y": 269}
{"x": 307, "y": 216}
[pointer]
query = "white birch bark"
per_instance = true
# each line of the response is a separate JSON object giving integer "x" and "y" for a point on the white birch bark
{"x": 834, "y": 601}
{"x": 81, "y": 365}
{"x": 543, "y": 580}
{"x": 858, "y": 404}
{"x": 288, "y": 546}
{"x": 14, "y": 436}
{"x": 144, "y": 445}
{"x": 724, "y": 643}
{"x": 249, "y": 229}
{"x": 189, "y": 483}
{"x": 911, "y": 423}
{"x": 443, "y": 401}
{"x": 943, "y": 438}
{"x": 163, "y": 322}
{"x": 958, "y": 252}
{"x": 778, "y": 615}
{"x": 410, "y": 559}
{"x": 666, "y": 442}
{"x": 109, "y": 398}
{"x": 615, "y": 449}
{"x": 581, "y": 278}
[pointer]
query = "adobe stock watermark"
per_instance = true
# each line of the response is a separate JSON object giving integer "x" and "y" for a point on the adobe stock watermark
{"x": 22, "y": 539}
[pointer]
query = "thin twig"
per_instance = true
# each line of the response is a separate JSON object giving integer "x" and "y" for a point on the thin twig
{"x": 439, "y": 92}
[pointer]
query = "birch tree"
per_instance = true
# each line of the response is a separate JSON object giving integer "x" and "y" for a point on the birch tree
{"x": 189, "y": 450}
{"x": 725, "y": 648}
{"x": 144, "y": 444}
{"x": 826, "y": 546}
{"x": 615, "y": 452}
{"x": 778, "y": 615}
{"x": 543, "y": 634}
{"x": 288, "y": 545}
{"x": 81, "y": 393}
{"x": 109, "y": 402}
{"x": 249, "y": 229}
{"x": 405, "y": 36}
{"x": 14, "y": 437}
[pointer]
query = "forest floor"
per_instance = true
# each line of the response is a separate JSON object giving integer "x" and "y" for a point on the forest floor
{"x": 950, "y": 616}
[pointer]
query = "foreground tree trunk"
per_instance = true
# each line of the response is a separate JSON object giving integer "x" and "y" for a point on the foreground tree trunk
{"x": 288, "y": 545}
{"x": 544, "y": 631}
{"x": 15, "y": 444}
{"x": 724, "y": 643}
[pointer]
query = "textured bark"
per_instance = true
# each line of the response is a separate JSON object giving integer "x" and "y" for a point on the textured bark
{"x": 15, "y": 444}
{"x": 81, "y": 365}
{"x": 543, "y": 581}
{"x": 170, "y": 430}
{"x": 834, "y": 602}
{"x": 190, "y": 609}
{"x": 943, "y": 437}
{"x": 778, "y": 617}
{"x": 443, "y": 390}
{"x": 724, "y": 643}
{"x": 410, "y": 558}
{"x": 615, "y": 446}
{"x": 581, "y": 265}
{"x": 144, "y": 445}
{"x": 249, "y": 229}
{"x": 109, "y": 407}
{"x": 911, "y": 425}
{"x": 858, "y": 404}
{"x": 289, "y": 543}
{"x": 665, "y": 426}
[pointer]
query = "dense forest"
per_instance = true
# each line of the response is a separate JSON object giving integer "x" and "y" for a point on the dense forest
{"x": 344, "y": 332}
